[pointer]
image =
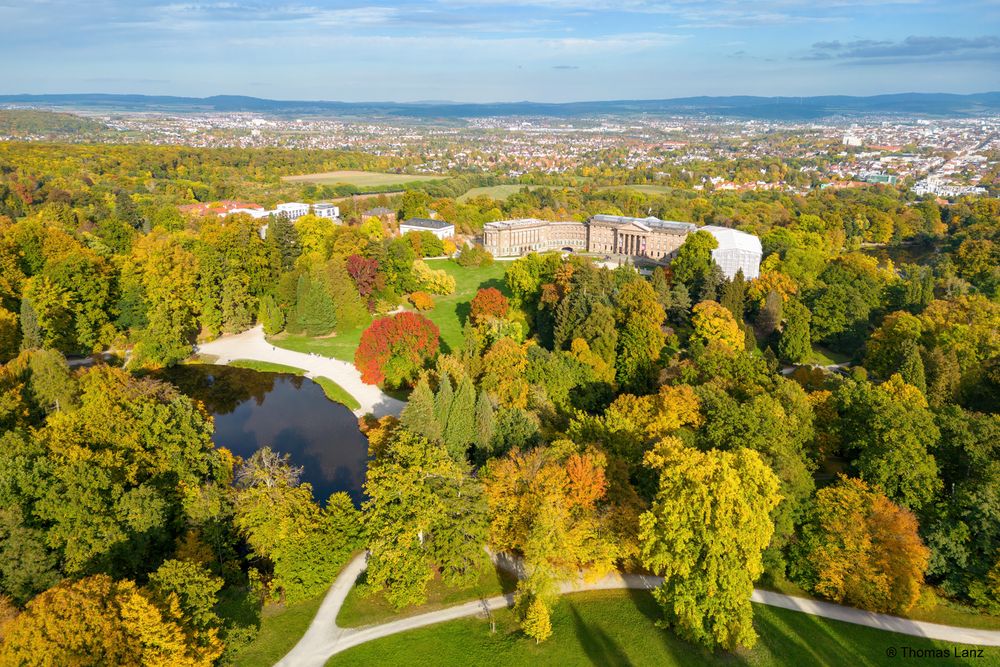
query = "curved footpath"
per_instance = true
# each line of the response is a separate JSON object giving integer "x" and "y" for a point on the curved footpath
{"x": 325, "y": 638}
{"x": 251, "y": 344}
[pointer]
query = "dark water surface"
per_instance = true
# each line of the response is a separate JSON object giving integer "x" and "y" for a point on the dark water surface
{"x": 291, "y": 414}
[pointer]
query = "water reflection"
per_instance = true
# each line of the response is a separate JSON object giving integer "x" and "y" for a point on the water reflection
{"x": 289, "y": 413}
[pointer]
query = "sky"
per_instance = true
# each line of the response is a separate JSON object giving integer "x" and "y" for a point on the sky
{"x": 499, "y": 50}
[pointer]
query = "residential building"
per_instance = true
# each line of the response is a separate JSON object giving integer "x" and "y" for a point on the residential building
{"x": 438, "y": 228}
{"x": 326, "y": 210}
{"x": 292, "y": 210}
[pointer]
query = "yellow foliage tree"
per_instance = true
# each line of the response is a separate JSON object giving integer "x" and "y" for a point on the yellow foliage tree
{"x": 714, "y": 325}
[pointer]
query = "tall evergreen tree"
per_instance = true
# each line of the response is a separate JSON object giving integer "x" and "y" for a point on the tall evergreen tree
{"x": 315, "y": 312}
{"x": 734, "y": 295}
{"x": 661, "y": 286}
{"x": 419, "y": 415}
{"x": 680, "y": 304}
{"x": 912, "y": 367}
{"x": 794, "y": 345}
{"x": 284, "y": 239}
{"x": 769, "y": 316}
{"x": 443, "y": 401}
{"x": 711, "y": 284}
{"x": 460, "y": 431}
{"x": 31, "y": 332}
{"x": 485, "y": 421}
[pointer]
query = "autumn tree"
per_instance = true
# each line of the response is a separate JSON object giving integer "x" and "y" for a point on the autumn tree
{"x": 488, "y": 304}
{"x": 715, "y": 325}
{"x": 542, "y": 505}
{"x": 640, "y": 340}
{"x": 794, "y": 344}
{"x": 394, "y": 349}
{"x": 862, "y": 549}
{"x": 705, "y": 533}
{"x": 97, "y": 620}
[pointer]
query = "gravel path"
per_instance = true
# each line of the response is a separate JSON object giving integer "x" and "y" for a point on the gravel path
{"x": 251, "y": 344}
{"x": 325, "y": 638}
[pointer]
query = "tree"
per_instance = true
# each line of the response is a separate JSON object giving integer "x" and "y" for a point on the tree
{"x": 414, "y": 204}
{"x": 640, "y": 339}
{"x": 100, "y": 621}
{"x": 794, "y": 345}
{"x": 419, "y": 415}
{"x": 31, "y": 334}
{"x": 733, "y": 296}
{"x": 364, "y": 272}
{"x": 459, "y": 433}
{"x": 769, "y": 316}
{"x": 704, "y": 533}
{"x": 891, "y": 433}
{"x": 283, "y": 237}
{"x": 694, "y": 259}
{"x": 543, "y": 505}
{"x": 536, "y": 622}
{"x": 194, "y": 590}
{"x": 862, "y": 549}
{"x": 270, "y": 315}
{"x": 488, "y": 304}
{"x": 504, "y": 367}
{"x": 315, "y": 313}
{"x": 714, "y": 325}
{"x": 9, "y": 336}
{"x": 485, "y": 421}
{"x": 414, "y": 491}
{"x": 394, "y": 349}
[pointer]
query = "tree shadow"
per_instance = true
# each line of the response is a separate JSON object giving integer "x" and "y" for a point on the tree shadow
{"x": 462, "y": 311}
{"x": 599, "y": 647}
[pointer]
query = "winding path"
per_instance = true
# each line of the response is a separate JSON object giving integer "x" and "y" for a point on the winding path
{"x": 325, "y": 638}
{"x": 251, "y": 344}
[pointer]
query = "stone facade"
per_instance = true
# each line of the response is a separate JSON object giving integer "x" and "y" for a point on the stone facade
{"x": 613, "y": 235}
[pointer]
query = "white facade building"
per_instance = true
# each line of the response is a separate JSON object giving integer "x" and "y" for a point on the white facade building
{"x": 291, "y": 210}
{"x": 326, "y": 210}
{"x": 737, "y": 250}
{"x": 439, "y": 228}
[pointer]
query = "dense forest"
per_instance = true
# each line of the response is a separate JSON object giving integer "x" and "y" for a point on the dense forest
{"x": 592, "y": 418}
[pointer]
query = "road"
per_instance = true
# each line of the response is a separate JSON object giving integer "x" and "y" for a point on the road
{"x": 251, "y": 344}
{"x": 325, "y": 638}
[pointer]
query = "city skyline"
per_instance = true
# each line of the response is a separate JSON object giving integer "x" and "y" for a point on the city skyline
{"x": 491, "y": 51}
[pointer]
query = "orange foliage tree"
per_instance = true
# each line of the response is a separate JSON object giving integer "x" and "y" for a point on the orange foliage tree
{"x": 394, "y": 349}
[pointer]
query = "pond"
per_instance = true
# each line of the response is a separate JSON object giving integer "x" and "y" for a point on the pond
{"x": 290, "y": 414}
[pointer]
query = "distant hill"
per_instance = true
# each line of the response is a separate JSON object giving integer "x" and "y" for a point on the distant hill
{"x": 764, "y": 108}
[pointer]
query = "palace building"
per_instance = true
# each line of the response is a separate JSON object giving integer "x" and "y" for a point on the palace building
{"x": 640, "y": 238}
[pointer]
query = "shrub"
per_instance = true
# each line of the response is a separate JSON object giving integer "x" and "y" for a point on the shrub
{"x": 435, "y": 281}
{"x": 474, "y": 255}
{"x": 421, "y": 300}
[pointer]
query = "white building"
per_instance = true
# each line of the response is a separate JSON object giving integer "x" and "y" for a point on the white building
{"x": 439, "y": 228}
{"x": 255, "y": 213}
{"x": 326, "y": 210}
{"x": 737, "y": 250}
{"x": 292, "y": 210}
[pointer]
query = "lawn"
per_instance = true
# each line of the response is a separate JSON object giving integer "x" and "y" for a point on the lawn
{"x": 341, "y": 346}
{"x": 281, "y": 628}
{"x": 265, "y": 366}
{"x": 360, "y": 609}
{"x": 499, "y": 192}
{"x": 823, "y": 357}
{"x": 361, "y": 179}
{"x": 618, "y": 628}
{"x": 449, "y": 313}
{"x": 336, "y": 393}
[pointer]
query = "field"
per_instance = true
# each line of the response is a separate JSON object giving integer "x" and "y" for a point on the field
{"x": 449, "y": 313}
{"x": 618, "y": 628}
{"x": 280, "y": 629}
{"x": 499, "y": 192}
{"x": 361, "y": 179}
{"x": 360, "y": 609}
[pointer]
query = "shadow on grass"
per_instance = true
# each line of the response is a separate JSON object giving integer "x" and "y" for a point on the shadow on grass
{"x": 599, "y": 647}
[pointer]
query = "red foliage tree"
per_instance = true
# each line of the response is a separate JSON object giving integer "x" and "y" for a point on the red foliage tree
{"x": 394, "y": 349}
{"x": 364, "y": 273}
{"x": 488, "y": 303}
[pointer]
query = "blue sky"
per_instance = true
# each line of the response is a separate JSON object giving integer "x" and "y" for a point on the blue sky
{"x": 491, "y": 50}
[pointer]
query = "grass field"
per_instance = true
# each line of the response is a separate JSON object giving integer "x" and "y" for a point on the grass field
{"x": 265, "y": 366}
{"x": 618, "y": 628}
{"x": 360, "y": 609}
{"x": 280, "y": 629}
{"x": 449, "y": 313}
{"x": 336, "y": 393}
{"x": 499, "y": 192}
{"x": 361, "y": 179}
